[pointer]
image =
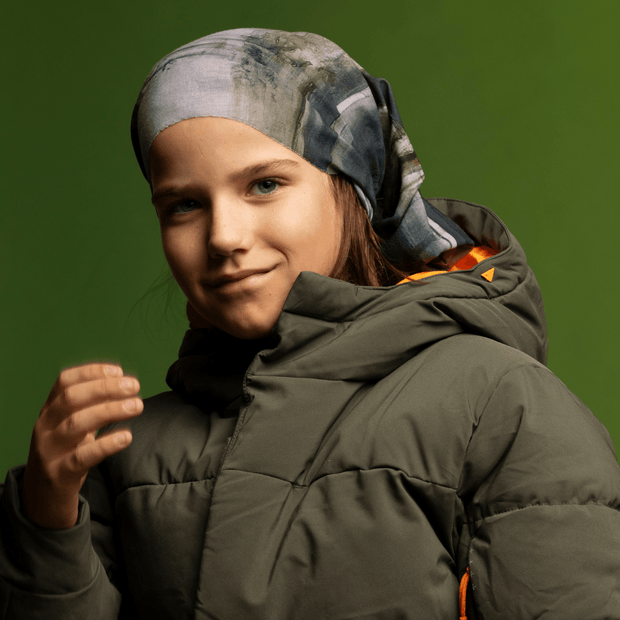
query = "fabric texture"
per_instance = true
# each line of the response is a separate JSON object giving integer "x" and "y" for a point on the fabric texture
{"x": 353, "y": 465}
{"x": 306, "y": 93}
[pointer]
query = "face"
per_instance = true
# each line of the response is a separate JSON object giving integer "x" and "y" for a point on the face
{"x": 241, "y": 217}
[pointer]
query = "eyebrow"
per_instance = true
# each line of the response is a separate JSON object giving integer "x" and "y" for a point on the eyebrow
{"x": 270, "y": 166}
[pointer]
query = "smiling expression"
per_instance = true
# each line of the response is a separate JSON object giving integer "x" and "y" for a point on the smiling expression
{"x": 241, "y": 217}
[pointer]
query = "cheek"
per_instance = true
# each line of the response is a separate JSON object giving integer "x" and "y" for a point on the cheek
{"x": 324, "y": 239}
{"x": 311, "y": 234}
{"x": 180, "y": 255}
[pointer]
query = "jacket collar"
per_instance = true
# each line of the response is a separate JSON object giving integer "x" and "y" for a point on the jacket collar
{"x": 329, "y": 329}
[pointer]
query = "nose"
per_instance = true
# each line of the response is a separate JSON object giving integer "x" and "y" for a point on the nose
{"x": 230, "y": 229}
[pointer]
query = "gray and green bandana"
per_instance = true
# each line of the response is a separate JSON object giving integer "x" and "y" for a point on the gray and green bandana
{"x": 306, "y": 93}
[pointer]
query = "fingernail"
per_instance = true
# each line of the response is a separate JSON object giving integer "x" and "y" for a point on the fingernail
{"x": 123, "y": 439}
{"x": 127, "y": 383}
{"x": 112, "y": 371}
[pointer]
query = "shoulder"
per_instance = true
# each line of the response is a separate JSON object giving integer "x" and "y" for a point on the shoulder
{"x": 486, "y": 373}
{"x": 472, "y": 353}
{"x": 469, "y": 401}
{"x": 420, "y": 418}
{"x": 503, "y": 430}
{"x": 461, "y": 373}
{"x": 502, "y": 386}
{"x": 532, "y": 441}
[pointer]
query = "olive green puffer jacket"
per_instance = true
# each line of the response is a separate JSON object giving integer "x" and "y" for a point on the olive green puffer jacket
{"x": 352, "y": 465}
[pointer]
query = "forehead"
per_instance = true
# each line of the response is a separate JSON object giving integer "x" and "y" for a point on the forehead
{"x": 214, "y": 129}
{"x": 216, "y": 140}
{"x": 220, "y": 149}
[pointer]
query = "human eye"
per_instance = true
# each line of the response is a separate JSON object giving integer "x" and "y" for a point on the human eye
{"x": 184, "y": 206}
{"x": 265, "y": 187}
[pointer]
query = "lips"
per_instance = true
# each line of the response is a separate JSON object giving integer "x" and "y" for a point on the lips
{"x": 228, "y": 278}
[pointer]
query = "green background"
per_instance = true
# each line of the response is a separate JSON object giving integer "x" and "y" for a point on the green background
{"x": 512, "y": 105}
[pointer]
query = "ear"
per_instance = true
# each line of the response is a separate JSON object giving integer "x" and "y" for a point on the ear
{"x": 196, "y": 321}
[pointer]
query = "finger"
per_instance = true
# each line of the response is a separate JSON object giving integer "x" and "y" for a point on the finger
{"x": 81, "y": 374}
{"x": 91, "y": 419}
{"x": 89, "y": 455}
{"x": 83, "y": 395}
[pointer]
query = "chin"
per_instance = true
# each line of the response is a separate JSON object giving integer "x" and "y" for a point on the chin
{"x": 244, "y": 319}
{"x": 247, "y": 330}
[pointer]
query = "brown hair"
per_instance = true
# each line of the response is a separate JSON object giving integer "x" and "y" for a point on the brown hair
{"x": 360, "y": 260}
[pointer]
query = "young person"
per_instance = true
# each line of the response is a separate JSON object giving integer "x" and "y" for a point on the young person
{"x": 360, "y": 422}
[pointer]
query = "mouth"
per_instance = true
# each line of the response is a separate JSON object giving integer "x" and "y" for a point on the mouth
{"x": 237, "y": 276}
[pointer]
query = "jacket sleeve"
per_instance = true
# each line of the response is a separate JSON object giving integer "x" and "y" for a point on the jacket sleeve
{"x": 57, "y": 574}
{"x": 542, "y": 494}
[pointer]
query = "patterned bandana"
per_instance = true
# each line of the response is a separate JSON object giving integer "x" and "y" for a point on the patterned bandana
{"x": 307, "y": 94}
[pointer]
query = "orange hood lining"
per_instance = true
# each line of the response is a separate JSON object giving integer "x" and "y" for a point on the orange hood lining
{"x": 475, "y": 256}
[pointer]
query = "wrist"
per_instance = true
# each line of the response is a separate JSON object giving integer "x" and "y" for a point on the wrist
{"x": 41, "y": 506}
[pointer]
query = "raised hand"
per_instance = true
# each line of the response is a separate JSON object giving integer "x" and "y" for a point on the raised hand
{"x": 64, "y": 447}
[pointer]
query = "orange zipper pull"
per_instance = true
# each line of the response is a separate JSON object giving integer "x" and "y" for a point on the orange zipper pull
{"x": 463, "y": 595}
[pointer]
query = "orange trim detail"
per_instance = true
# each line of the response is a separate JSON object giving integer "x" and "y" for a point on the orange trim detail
{"x": 463, "y": 595}
{"x": 475, "y": 256}
{"x": 488, "y": 275}
{"x": 420, "y": 275}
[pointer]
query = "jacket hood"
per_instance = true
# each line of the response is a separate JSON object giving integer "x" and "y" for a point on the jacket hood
{"x": 333, "y": 330}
